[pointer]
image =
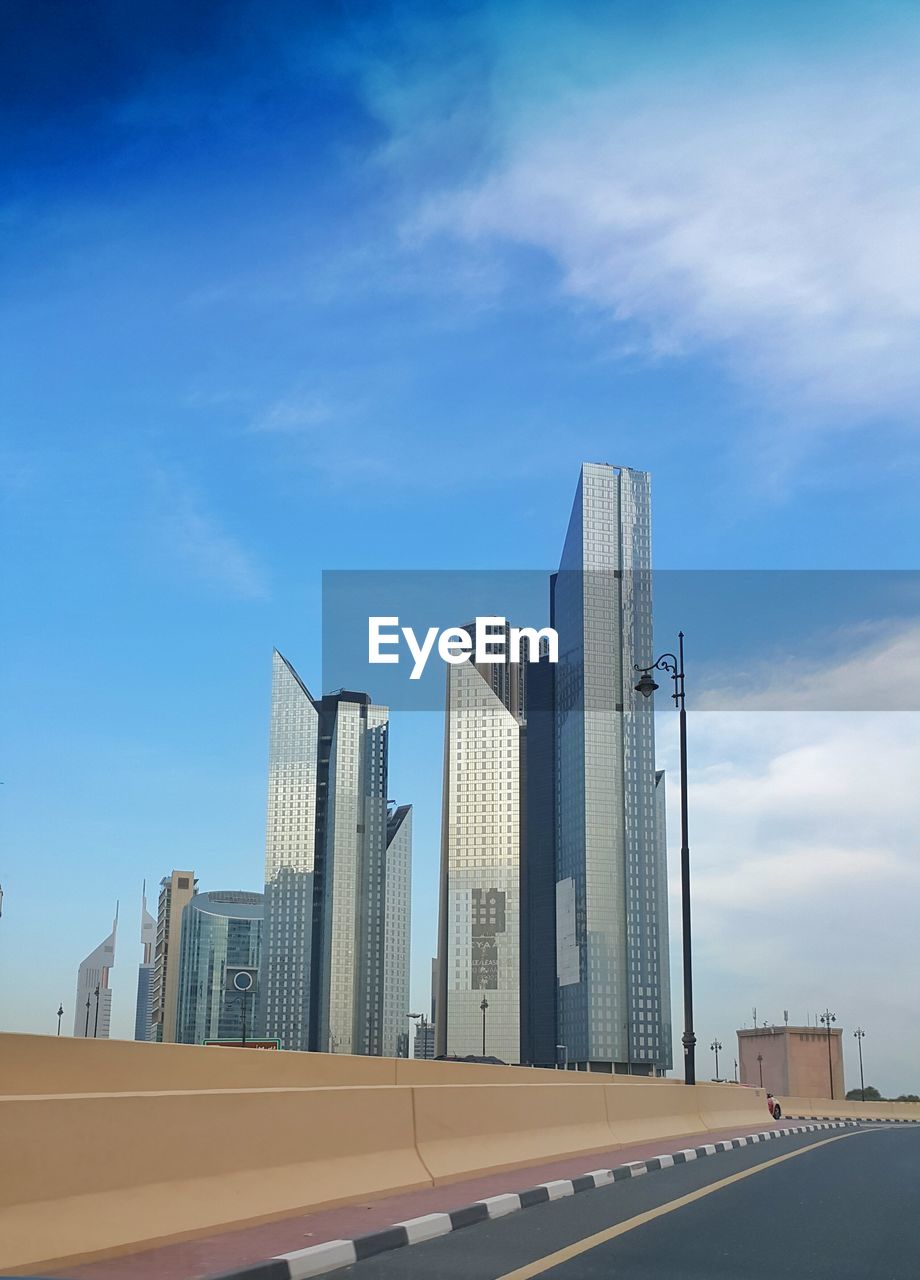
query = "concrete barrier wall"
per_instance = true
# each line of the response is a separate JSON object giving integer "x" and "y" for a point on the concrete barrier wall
{"x": 821, "y": 1108}
{"x": 724, "y": 1106}
{"x": 52, "y": 1064}
{"x": 88, "y": 1175}
{"x": 462, "y": 1130}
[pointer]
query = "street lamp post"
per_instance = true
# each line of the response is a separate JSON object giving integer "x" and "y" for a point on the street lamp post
{"x": 422, "y": 1024}
{"x": 715, "y": 1047}
{"x": 86, "y": 1023}
{"x": 760, "y": 1065}
{"x": 860, "y": 1035}
{"x": 647, "y": 686}
{"x": 96, "y": 1021}
{"x": 827, "y": 1018}
{"x": 60, "y": 1014}
{"x": 736, "y": 1071}
{"x": 483, "y": 1007}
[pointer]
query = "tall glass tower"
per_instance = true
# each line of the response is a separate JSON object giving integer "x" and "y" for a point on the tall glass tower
{"x": 323, "y": 982}
{"x": 611, "y": 916}
{"x": 479, "y": 944}
{"x": 93, "y": 1009}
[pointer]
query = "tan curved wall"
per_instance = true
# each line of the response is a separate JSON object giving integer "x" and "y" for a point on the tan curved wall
{"x": 825, "y": 1108}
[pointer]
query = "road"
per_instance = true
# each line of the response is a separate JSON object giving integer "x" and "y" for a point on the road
{"x": 819, "y": 1206}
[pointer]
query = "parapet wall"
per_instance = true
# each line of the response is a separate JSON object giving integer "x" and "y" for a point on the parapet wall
{"x": 89, "y": 1172}
{"x": 832, "y": 1109}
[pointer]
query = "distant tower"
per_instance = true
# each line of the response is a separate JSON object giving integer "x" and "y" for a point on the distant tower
{"x": 143, "y": 1014}
{"x": 176, "y": 891}
{"x": 93, "y": 1014}
{"x": 335, "y": 861}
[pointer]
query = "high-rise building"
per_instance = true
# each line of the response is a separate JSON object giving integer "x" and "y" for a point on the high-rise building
{"x": 143, "y": 1012}
{"x": 93, "y": 1009}
{"x": 611, "y": 919}
{"x": 176, "y": 891}
{"x": 219, "y": 931}
{"x": 479, "y": 942}
{"x": 397, "y": 925}
{"x": 325, "y": 972}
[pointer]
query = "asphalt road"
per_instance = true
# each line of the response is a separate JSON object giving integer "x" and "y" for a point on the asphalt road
{"x": 839, "y": 1207}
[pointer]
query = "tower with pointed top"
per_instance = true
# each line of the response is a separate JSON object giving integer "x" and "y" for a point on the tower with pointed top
{"x": 93, "y": 1011}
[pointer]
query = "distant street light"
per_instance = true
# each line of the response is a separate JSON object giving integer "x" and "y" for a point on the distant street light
{"x": 60, "y": 1014}
{"x": 674, "y": 665}
{"x": 421, "y": 1026}
{"x": 736, "y": 1071}
{"x": 827, "y": 1018}
{"x": 96, "y": 1022}
{"x": 860, "y": 1036}
{"x": 715, "y": 1047}
{"x": 483, "y": 1007}
{"x": 86, "y": 1024}
{"x": 760, "y": 1064}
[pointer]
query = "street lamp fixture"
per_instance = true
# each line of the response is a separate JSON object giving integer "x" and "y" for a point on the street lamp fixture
{"x": 760, "y": 1065}
{"x": 716, "y": 1047}
{"x": 860, "y": 1036}
{"x": 674, "y": 666}
{"x": 827, "y": 1018}
{"x": 483, "y": 1007}
{"x": 422, "y": 1024}
{"x": 60, "y": 1014}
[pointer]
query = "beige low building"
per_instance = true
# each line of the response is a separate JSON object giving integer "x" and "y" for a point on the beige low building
{"x": 792, "y": 1061}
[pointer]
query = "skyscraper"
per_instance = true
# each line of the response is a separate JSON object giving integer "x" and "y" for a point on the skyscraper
{"x": 397, "y": 924}
{"x": 93, "y": 1009}
{"x": 479, "y": 942}
{"x": 611, "y": 919}
{"x": 143, "y": 1012}
{"x": 176, "y": 891}
{"x": 324, "y": 980}
{"x": 218, "y": 930}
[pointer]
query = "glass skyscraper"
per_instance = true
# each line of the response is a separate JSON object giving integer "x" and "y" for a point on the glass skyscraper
{"x": 218, "y": 929}
{"x": 479, "y": 952}
{"x": 611, "y": 911}
{"x": 143, "y": 1009}
{"x": 397, "y": 924}
{"x": 325, "y": 973}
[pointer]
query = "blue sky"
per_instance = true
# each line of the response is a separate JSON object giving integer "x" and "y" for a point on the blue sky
{"x": 296, "y": 287}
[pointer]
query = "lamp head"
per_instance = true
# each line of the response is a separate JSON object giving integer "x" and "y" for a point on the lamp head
{"x": 646, "y": 685}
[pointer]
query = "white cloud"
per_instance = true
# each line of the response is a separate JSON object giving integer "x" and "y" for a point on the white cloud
{"x": 881, "y": 672}
{"x": 776, "y": 220}
{"x": 196, "y": 540}
{"x": 805, "y": 849}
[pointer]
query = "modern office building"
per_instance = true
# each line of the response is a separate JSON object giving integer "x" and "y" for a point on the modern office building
{"x": 176, "y": 891}
{"x": 93, "y": 1009}
{"x": 396, "y": 927}
{"x": 219, "y": 931}
{"x": 613, "y": 1007}
{"x": 325, "y": 972}
{"x": 143, "y": 1010}
{"x": 479, "y": 937}
{"x": 425, "y": 1040}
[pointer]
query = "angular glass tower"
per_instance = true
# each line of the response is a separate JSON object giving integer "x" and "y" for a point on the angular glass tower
{"x": 611, "y": 916}
{"x": 143, "y": 1009}
{"x": 479, "y": 944}
{"x": 323, "y": 976}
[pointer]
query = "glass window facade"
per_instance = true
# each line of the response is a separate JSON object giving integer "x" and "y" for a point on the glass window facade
{"x": 218, "y": 930}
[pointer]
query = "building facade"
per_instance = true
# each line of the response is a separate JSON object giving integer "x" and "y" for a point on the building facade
{"x": 797, "y": 1062}
{"x": 176, "y": 891}
{"x": 143, "y": 1009}
{"x": 93, "y": 1009}
{"x": 613, "y": 1002}
{"x": 219, "y": 930}
{"x": 479, "y": 951}
{"x": 331, "y": 969}
{"x": 397, "y": 925}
